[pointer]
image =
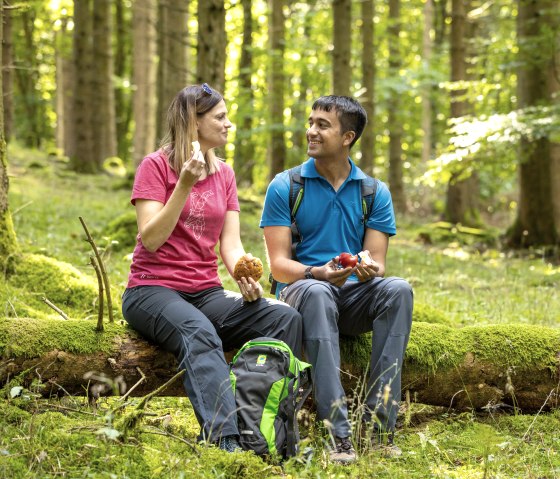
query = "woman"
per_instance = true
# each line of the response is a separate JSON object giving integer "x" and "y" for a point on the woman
{"x": 186, "y": 203}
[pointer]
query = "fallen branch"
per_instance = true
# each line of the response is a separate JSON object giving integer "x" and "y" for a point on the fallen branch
{"x": 102, "y": 268}
{"x": 56, "y": 308}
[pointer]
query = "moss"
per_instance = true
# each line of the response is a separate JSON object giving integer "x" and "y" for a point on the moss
{"x": 33, "y": 337}
{"x": 428, "y": 314}
{"x": 122, "y": 231}
{"x": 432, "y": 347}
{"x": 13, "y": 414}
{"x": 59, "y": 282}
{"x": 8, "y": 243}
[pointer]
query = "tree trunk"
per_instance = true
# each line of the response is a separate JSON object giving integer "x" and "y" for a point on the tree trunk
{"x": 8, "y": 242}
{"x": 144, "y": 73}
{"x": 173, "y": 55}
{"x": 103, "y": 115}
{"x": 277, "y": 150}
{"x": 427, "y": 47}
{"x": 395, "y": 122}
{"x": 468, "y": 368}
{"x": 462, "y": 192}
{"x": 342, "y": 42}
{"x": 123, "y": 100}
{"x": 537, "y": 221}
{"x": 212, "y": 42}
{"x": 367, "y": 142}
{"x": 64, "y": 81}
{"x": 83, "y": 158}
{"x": 244, "y": 144}
{"x": 7, "y": 73}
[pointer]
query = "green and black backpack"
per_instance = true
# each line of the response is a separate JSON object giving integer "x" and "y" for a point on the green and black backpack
{"x": 270, "y": 386}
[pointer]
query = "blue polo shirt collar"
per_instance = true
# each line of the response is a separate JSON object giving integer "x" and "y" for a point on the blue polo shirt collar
{"x": 308, "y": 170}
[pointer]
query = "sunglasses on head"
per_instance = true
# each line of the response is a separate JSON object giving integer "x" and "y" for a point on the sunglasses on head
{"x": 206, "y": 88}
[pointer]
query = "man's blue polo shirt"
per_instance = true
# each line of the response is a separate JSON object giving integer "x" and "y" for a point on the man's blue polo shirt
{"x": 329, "y": 221}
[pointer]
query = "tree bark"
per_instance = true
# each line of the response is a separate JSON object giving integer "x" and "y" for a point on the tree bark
{"x": 470, "y": 368}
{"x": 244, "y": 144}
{"x": 462, "y": 190}
{"x": 144, "y": 78}
{"x": 173, "y": 52}
{"x": 103, "y": 115}
{"x": 538, "y": 217}
{"x": 7, "y": 73}
{"x": 395, "y": 123}
{"x": 427, "y": 107}
{"x": 277, "y": 150}
{"x": 212, "y": 42}
{"x": 8, "y": 242}
{"x": 367, "y": 142}
{"x": 83, "y": 158}
{"x": 342, "y": 42}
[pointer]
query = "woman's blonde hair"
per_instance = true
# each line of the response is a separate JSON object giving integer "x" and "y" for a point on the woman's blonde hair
{"x": 191, "y": 102}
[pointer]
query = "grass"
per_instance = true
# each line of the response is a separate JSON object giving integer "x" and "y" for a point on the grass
{"x": 71, "y": 437}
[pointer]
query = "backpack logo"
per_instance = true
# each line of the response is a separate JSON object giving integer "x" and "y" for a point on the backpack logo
{"x": 261, "y": 359}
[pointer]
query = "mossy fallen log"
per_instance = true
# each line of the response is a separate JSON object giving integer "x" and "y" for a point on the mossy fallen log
{"x": 468, "y": 368}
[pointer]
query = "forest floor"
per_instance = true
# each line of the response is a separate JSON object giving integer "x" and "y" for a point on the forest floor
{"x": 461, "y": 274}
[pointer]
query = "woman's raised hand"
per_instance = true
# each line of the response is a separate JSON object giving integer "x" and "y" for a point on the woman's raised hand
{"x": 194, "y": 167}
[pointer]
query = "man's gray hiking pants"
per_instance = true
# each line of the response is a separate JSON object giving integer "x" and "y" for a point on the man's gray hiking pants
{"x": 382, "y": 305}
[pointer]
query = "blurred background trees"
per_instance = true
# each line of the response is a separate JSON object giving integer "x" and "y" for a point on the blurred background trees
{"x": 463, "y": 95}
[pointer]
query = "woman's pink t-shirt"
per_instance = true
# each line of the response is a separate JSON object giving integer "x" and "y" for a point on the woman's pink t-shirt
{"x": 187, "y": 261}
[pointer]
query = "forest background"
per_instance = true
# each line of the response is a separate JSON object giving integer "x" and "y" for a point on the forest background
{"x": 463, "y": 103}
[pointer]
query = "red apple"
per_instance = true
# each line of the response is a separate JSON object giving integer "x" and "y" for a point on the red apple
{"x": 347, "y": 260}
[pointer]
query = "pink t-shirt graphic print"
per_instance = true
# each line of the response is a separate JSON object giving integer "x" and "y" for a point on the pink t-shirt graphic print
{"x": 196, "y": 214}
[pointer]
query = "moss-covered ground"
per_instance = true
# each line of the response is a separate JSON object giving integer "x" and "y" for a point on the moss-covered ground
{"x": 460, "y": 279}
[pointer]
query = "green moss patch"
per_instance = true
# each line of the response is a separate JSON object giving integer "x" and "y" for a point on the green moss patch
{"x": 59, "y": 282}
{"x": 32, "y": 337}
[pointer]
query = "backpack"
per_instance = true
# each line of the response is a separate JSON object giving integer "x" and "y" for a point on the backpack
{"x": 270, "y": 385}
{"x": 368, "y": 187}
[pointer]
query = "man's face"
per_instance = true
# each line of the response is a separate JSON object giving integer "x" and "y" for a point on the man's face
{"x": 324, "y": 135}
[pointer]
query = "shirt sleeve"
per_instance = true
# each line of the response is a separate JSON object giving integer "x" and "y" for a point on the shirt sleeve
{"x": 150, "y": 181}
{"x": 232, "y": 199}
{"x": 276, "y": 209}
{"x": 382, "y": 217}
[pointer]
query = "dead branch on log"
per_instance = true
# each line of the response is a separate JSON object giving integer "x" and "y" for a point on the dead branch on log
{"x": 102, "y": 268}
{"x": 56, "y": 308}
{"x": 100, "y": 298}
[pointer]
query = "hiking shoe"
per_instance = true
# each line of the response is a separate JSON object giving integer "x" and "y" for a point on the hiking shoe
{"x": 343, "y": 451}
{"x": 229, "y": 444}
{"x": 384, "y": 444}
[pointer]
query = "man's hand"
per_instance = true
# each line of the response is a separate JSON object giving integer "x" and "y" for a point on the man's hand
{"x": 367, "y": 268}
{"x": 332, "y": 273}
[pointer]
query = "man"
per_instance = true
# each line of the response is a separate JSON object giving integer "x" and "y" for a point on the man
{"x": 335, "y": 300}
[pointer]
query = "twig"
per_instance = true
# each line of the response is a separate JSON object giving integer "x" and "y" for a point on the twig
{"x": 13, "y": 213}
{"x": 140, "y": 381}
{"x": 173, "y": 436}
{"x": 57, "y": 309}
{"x": 163, "y": 387}
{"x": 102, "y": 268}
{"x": 71, "y": 409}
{"x": 100, "y": 300}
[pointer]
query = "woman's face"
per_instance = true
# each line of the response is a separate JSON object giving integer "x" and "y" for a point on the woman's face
{"x": 213, "y": 127}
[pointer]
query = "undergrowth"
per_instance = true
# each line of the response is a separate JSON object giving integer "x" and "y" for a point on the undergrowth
{"x": 457, "y": 283}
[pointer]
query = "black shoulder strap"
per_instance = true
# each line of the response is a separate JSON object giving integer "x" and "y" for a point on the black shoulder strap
{"x": 294, "y": 201}
{"x": 369, "y": 188}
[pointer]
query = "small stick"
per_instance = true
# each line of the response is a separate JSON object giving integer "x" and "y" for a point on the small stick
{"x": 140, "y": 381}
{"x": 102, "y": 268}
{"x": 100, "y": 284}
{"x": 57, "y": 309}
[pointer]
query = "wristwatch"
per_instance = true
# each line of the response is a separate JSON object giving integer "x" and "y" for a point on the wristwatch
{"x": 308, "y": 274}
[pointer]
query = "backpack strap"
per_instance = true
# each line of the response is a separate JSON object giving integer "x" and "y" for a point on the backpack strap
{"x": 294, "y": 201}
{"x": 369, "y": 189}
{"x": 304, "y": 386}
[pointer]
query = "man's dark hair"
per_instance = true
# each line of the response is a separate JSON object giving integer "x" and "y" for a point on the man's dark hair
{"x": 350, "y": 113}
